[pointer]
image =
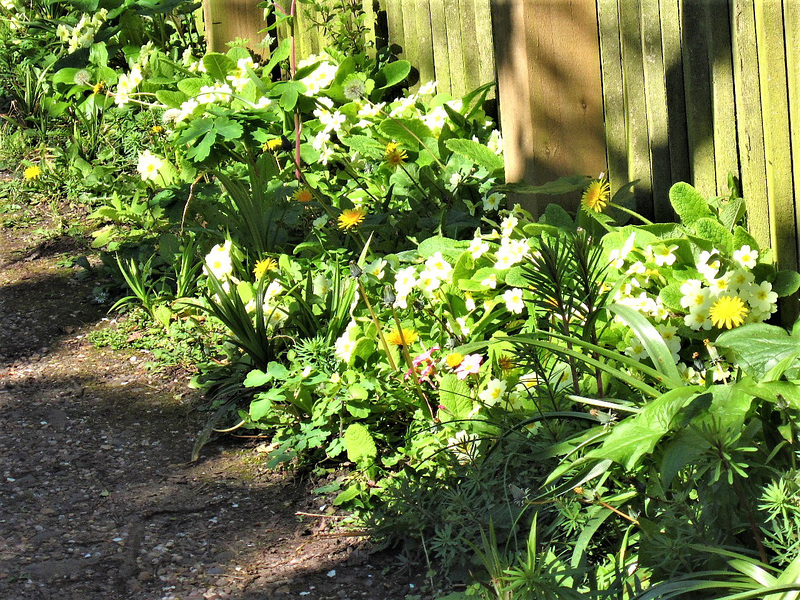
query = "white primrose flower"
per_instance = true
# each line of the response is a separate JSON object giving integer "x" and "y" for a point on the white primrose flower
{"x": 149, "y": 166}
{"x": 477, "y": 247}
{"x": 741, "y": 279}
{"x": 495, "y": 143}
{"x": 697, "y": 320}
{"x": 664, "y": 255}
{"x": 694, "y": 296}
{"x": 493, "y": 201}
{"x": 494, "y": 392}
{"x": 428, "y": 89}
{"x": 513, "y": 300}
{"x": 438, "y": 266}
{"x": 761, "y": 297}
{"x": 429, "y": 282}
{"x": 617, "y": 257}
{"x": 708, "y": 265}
{"x": 344, "y": 345}
{"x": 490, "y": 281}
{"x": 746, "y": 257}
{"x": 508, "y": 225}
{"x": 218, "y": 261}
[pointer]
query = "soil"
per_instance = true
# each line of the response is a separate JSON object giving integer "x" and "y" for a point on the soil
{"x": 97, "y": 497}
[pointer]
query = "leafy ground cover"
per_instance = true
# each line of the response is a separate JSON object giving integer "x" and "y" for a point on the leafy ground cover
{"x": 555, "y": 406}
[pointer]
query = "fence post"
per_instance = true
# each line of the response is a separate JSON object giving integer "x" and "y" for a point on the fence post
{"x": 226, "y": 20}
{"x": 549, "y": 90}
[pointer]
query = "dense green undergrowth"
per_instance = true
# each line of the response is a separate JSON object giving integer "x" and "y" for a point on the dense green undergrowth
{"x": 575, "y": 405}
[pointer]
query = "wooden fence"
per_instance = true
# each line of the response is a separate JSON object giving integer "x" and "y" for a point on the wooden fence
{"x": 657, "y": 91}
{"x": 445, "y": 40}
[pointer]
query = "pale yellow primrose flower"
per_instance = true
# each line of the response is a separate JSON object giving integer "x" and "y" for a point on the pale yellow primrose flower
{"x": 149, "y": 166}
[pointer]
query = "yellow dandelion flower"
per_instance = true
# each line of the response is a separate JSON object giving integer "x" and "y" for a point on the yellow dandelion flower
{"x": 33, "y": 172}
{"x": 157, "y": 129}
{"x": 98, "y": 87}
{"x": 454, "y": 359}
{"x": 351, "y": 217}
{"x": 303, "y": 195}
{"x": 402, "y": 337}
{"x": 728, "y": 312}
{"x": 263, "y": 266}
{"x": 272, "y": 145}
{"x": 596, "y": 196}
{"x": 394, "y": 155}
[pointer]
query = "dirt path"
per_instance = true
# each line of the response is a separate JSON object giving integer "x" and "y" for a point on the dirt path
{"x": 96, "y": 499}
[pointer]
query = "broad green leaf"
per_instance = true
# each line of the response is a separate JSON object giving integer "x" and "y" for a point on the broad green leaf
{"x": 713, "y": 231}
{"x": 555, "y": 214}
{"x": 393, "y": 73}
{"x": 786, "y": 283}
{"x": 638, "y": 435}
{"x": 742, "y": 238}
{"x": 201, "y": 150}
{"x": 281, "y": 53}
{"x": 562, "y": 185}
{"x": 476, "y": 152}
{"x": 349, "y": 494}
{"x": 228, "y": 129}
{"x": 191, "y": 86}
{"x": 277, "y": 371}
{"x": 366, "y": 146}
{"x": 218, "y": 65}
{"x": 360, "y": 446}
{"x": 688, "y": 203}
{"x": 670, "y": 296}
{"x": 260, "y": 407}
{"x": 196, "y": 128}
{"x": 171, "y": 99}
{"x": 408, "y": 132}
{"x": 256, "y": 378}
{"x": 759, "y": 347}
{"x": 454, "y": 396}
{"x": 450, "y": 249}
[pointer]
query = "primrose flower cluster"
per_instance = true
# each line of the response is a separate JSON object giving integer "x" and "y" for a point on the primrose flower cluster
{"x": 710, "y": 294}
{"x": 82, "y": 34}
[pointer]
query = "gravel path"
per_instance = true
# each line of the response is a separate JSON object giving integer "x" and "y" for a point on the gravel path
{"x": 96, "y": 497}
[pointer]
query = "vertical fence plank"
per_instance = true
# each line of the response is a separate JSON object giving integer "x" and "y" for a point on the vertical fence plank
{"x": 441, "y": 56}
{"x": 750, "y": 130}
{"x": 673, "y": 80}
{"x": 791, "y": 17}
{"x": 513, "y": 92}
{"x": 469, "y": 29}
{"x": 613, "y": 97}
{"x": 483, "y": 42}
{"x": 657, "y": 109}
{"x": 227, "y": 20}
{"x": 724, "y": 114}
{"x": 394, "y": 23}
{"x": 770, "y": 44}
{"x": 423, "y": 40}
{"x": 636, "y": 133}
{"x": 455, "y": 48}
{"x": 697, "y": 81}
